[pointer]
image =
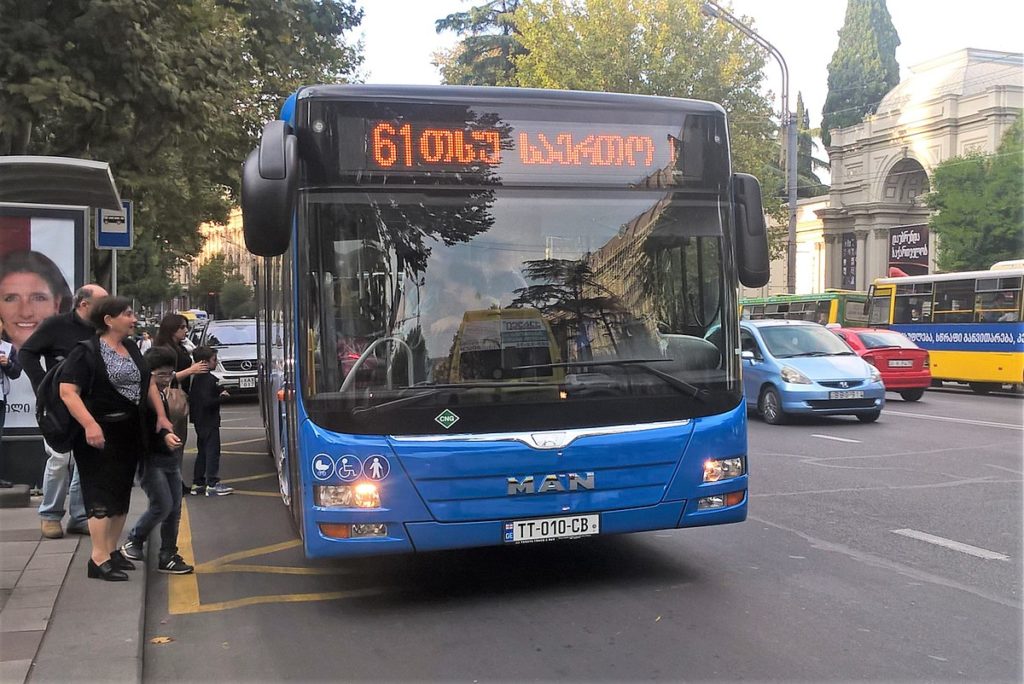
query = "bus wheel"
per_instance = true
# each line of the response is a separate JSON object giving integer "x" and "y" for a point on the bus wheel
{"x": 912, "y": 394}
{"x": 983, "y": 387}
{"x": 770, "y": 407}
{"x": 868, "y": 417}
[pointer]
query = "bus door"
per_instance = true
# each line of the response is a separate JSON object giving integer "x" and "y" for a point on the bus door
{"x": 880, "y": 305}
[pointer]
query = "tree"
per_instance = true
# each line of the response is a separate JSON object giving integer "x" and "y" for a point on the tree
{"x": 863, "y": 67}
{"x": 979, "y": 205}
{"x": 808, "y": 184}
{"x": 173, "y": 104}
{"x": 657, "y": 47}
{"x": 490, "y": 44}
{"x": 236, "y": 300}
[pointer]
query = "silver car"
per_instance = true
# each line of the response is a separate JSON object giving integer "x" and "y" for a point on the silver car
{"x": 235, "y": 342}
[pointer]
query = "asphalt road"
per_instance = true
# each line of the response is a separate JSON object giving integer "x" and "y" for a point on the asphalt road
{"x": 883, "y": 552}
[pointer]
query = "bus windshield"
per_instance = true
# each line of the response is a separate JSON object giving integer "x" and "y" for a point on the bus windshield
{"x": 515, "y": 308}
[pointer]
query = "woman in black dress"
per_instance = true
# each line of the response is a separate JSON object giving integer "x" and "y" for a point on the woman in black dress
{"x": 103, "y": 385}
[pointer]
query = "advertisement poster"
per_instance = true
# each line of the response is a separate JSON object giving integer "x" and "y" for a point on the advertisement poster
{"x": 42, "y": 263}
{"x": 908, "y": 249}
{"x": 849, "y": 256}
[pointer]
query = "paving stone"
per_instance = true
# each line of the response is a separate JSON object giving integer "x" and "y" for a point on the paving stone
{"x": 24, "y": 619}
{"x": 15, "y": 561}
{"x": 33, "y": 597}
{"x": 8, "y": 578}
{"x": 20, "y": 645}
{"x": 50, "y": 560}
{"x": 14, "y": 671}
{"x": 43, "y": 578}
{"x": 66, "y": 545}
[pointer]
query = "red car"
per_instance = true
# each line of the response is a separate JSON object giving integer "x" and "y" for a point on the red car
{"x": 904, "y": 366}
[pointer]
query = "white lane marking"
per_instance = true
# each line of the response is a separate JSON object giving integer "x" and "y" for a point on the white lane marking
{"x": 950, "y": 544}
{"x": 985, "y": 423}
{"x": 837, "y": 439}
{"x": 1009, "y": 470}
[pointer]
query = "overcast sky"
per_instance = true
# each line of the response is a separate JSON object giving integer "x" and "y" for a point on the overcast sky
{"x": 399, "y": 36}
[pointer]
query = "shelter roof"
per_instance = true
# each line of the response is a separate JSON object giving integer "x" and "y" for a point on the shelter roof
{"x": 58, "y": 180}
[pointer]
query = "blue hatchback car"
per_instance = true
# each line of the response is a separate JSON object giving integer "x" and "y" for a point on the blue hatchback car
{"x": 798, "y": 367}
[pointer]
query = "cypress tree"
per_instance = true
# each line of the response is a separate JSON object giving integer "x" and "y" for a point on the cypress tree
{"x": 863, "y": 67}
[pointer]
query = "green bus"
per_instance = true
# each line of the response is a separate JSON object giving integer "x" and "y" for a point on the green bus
{"x": 848, "y": 308}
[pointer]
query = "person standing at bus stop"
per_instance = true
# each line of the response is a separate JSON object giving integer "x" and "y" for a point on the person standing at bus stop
{"x": 52, "y": 341}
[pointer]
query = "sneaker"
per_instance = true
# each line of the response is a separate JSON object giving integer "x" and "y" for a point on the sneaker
{"x": 175, "y": 565}
{"x": 51, "y": 529}
{"x": 219, "y": 490}
{"x": 132, "y": 550}
{"x": 197, "y": 490}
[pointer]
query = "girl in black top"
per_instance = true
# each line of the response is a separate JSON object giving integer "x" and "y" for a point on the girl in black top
{"x": 103, "y": 384}
{"x": 171, "y": 334}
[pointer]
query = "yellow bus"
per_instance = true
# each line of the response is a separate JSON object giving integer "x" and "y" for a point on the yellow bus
{"x": 845, "y": 307}
{"x": 969, "y": 322}
{"x": 492, "y": 344}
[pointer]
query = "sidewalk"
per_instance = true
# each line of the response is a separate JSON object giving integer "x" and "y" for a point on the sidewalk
{"x": 56, "y": 625}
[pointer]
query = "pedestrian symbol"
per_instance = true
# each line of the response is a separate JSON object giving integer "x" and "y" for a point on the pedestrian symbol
{"x": 376, "y": 467}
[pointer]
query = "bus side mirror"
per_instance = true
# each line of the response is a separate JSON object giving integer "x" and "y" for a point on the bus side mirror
{"x": 269, "y": 178}
{"x": 751, "y": 234}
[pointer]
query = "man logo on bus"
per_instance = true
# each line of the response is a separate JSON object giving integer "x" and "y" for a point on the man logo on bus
{"x": 556, "y": 482}
{"x": 446, "y": 419}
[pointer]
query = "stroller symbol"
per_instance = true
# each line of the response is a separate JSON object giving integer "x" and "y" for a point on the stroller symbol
{"x": 322, "y": 466}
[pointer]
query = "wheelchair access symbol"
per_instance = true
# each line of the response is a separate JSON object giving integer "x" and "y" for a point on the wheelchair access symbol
{"x": 348, "y": 467}
{"x": 323, "y": 466}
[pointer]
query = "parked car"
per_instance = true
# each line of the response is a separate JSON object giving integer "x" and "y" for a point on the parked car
{"x": 904, "y": 366}
{"x": 799, "y": 367}
{"x": 235, "y": 342}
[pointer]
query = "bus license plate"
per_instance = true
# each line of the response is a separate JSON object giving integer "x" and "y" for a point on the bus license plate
{"x": 847, "y": 394}
{"x": 901, "y": 363}
{"x": 545, "y": 529}
{"x": 246, "y": 383}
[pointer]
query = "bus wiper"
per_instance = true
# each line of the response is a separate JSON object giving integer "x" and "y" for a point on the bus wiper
{"x": 434, "y": 390}
{"x": 673, "y": 381}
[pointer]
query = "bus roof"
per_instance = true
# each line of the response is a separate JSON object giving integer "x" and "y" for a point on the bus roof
{"x": 828, "y": 294}
{"x": 941, "y": 277}
{"x": 484, "y": 94}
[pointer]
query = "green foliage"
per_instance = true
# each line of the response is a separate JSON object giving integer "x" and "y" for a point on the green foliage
{"x": 657, "y": 47}
{"x": 237, "y": 300}
{"x": 863, "y": 67}
{"x": 979, "y": 202}
{"x": 489, "y": 45}
{"x": 171, "y": 94}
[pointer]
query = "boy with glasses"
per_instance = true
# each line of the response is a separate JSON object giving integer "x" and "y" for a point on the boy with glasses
{"x": 161, "y": 480}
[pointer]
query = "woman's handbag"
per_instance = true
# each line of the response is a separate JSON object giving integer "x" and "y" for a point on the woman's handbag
{"x": 177, "y": 408}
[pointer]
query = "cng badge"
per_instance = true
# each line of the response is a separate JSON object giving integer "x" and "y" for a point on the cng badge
{"x": 446, "y": 419}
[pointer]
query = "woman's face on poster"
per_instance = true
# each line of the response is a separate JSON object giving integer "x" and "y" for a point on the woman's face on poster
{"x": 26, "y": 300}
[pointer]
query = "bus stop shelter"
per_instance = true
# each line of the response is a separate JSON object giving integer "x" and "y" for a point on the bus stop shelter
{"x": 33, "y": 187}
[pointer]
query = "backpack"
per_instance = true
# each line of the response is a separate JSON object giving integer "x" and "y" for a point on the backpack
{"x": 59, "y": 427}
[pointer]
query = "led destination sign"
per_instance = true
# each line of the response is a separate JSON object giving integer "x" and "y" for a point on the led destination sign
{"x": 397, "y": 145}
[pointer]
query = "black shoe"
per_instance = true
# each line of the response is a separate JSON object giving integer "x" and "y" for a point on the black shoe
{"x": 132, "y": 550}
{"x": 174, "y": 565}
{"x": 120, "y": 562}
{"x": 106, "y": 571}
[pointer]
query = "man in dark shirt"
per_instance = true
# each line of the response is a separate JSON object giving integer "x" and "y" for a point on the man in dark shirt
{"x": 52, "y": 341}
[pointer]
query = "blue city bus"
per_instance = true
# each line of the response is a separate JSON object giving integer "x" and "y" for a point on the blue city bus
{"x": 606, "y": 233}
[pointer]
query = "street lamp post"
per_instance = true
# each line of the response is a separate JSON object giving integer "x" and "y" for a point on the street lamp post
{"x": 712, "y": 9}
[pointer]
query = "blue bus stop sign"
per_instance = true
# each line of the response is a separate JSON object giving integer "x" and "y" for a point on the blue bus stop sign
{"x": 114, "y": 229}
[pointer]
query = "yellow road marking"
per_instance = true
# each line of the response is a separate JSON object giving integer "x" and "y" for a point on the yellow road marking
{"x": 250, "y": 492}
{"x": 251, "y": 477}
{"x": 243, "y": 441}
{"x": 269, "y": 569}
{"x": 183, "y": 590}
{"x": 252, "y": 553}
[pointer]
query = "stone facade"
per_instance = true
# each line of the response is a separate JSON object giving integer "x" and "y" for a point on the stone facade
{"x": 951, "y": 106}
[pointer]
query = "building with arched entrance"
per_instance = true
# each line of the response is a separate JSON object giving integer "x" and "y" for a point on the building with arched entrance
{"x": 950, "y": 106}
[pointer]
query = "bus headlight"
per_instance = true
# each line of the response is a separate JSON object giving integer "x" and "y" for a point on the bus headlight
{"x": 793, "y": 376}
{"x": 722, "y": 469}
{"x": 362, "y": 495}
